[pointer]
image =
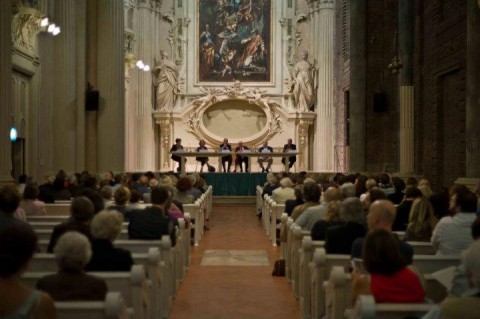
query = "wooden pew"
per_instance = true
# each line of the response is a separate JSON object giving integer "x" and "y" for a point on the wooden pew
{"x": 151, "y": 261}
{"x": 428, "y": 264}
{"x": 112, "y": 308}
{"x": 42, "y": 225}
{"x": 366, "y": 308}
{"x": 45, "y": 234}
{"x": 422, "y": 248}
{"x": 133, "y": 286}
{"x": 320, "y": 269}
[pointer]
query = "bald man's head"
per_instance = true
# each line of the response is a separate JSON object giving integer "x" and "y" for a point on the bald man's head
{"x": 332, "y": 193}
{"x": 381, "y": 215}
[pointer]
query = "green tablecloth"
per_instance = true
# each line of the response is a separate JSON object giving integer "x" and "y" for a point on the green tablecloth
{"x": 235, "y": 184}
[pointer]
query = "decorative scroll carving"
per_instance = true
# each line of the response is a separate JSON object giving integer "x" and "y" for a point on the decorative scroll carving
{"x": 165, "y": 136}
{"x": 302, "y": 129}
{"x": 25, "y": 27}
{"x": 235, "y": 91}
{"x": 176, "y": 37}
{"x": 128, "y": 4}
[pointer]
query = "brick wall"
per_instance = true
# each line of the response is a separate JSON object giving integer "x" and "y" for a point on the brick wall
{"x": 440, "y": 59}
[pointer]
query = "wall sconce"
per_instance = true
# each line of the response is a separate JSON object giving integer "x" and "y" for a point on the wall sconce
{"x": 143, "y": 66}
{"x": 51, "y": 28}
{"x": 13, "y": 134}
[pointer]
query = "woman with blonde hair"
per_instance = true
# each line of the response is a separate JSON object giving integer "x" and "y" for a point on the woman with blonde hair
{"x": 421, "y": 221}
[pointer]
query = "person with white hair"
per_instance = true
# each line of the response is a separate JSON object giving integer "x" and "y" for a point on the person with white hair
{"x": 466, "y": 305}
{"x": 347, "y": 190}
{"x": 315, "y": 213}
{"x": 72, "y": 253}
{"x": 284, "y": 192}
{"x": 105, "y": 228}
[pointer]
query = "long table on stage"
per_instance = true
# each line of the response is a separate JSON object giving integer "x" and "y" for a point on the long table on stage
{"x": 183, "y": 155}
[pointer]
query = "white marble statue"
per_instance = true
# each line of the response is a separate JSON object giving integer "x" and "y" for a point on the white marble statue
{"x": 303, "y": 84}
{"x": 165, "y": 80}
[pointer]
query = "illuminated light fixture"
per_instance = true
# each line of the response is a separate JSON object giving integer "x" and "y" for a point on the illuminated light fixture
{"x": 140, "y": 64}
{"x": 56, "y": 31}
{"x": 146, "y": 68}
{"x": 44, "y": 22}
{"x": 51, "y": 28}
{"x": 13, "y": 134}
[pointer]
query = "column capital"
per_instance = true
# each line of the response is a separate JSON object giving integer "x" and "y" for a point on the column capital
{"x": 316, "y": 5}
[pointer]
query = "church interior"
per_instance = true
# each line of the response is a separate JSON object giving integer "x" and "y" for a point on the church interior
{"x": 345, "y": 91}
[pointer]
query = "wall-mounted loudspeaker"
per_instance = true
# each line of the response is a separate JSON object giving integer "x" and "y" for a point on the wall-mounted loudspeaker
{"x": 92, "y": 100}
{"x": 379, "y": 102}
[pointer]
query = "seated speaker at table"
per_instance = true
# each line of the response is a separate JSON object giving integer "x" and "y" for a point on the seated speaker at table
{"x": 265, "y": 149}
{"x": 202, "y": 159}
{"x": 226, "y": 159}
{"x": 241, "y": 159}
{"x": 175, "y": 148}
{"x": 287, "y": 148}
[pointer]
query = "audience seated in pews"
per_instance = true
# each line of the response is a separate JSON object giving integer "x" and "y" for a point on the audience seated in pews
{"x": 332, "y": 218}
{"x": 315, "y": 213}
{"x": 182, "y": 194}
{"x": 152, "y": 222}
{"x": 18, "y": 243}
{"x": 95, "y": 197}
{"x": 270, "y": 185}
{"x": 285, "y": 192}
{"x": 421, "y": 221}
{"x": 375, "y": 193}
{"x": 10, "y": 213}
{"x": 399, "y": 191}
{"x": 134, "y": 203}
{"x": 121, "y": 197}
{"x": 339, "y": 239}
{"x": 370, "y": 183}
{"x": 381, "y": 216}
{"x": 139, "y": 183}
{"x": 194, "y": 191}
{"x": 30, "y": 202}
{"x": 60, "y": 192}
{"x": 466, "y": 304}
{"x": 361, "y": 185}
{"x": 107, "y": 194}
{"x": 460, "y": 280}
{"x": 105, "y": 228}
{"x": 290, "y": 204}
{"x": 385, "y": 184}
{"x": 347, "y": 190}
{"x": 403, "y": 210}
{"x": 311, "y": 197}
{"x": 22, "y": 182}
{"x": 81, "y": 212}
{"x": 72, "y": 253}
{"x": 450, "y": 238}
{"x": 389, "y": 279}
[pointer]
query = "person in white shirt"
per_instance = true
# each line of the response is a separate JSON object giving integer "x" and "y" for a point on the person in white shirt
{"x": 454, "y": 237}
{"x": 265, "y": 149}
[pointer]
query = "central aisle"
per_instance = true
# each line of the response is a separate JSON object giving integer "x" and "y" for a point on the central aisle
{"x": 234, "y": 292}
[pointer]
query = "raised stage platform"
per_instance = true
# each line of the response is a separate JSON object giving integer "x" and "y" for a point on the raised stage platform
{"x": 235, "y": 184}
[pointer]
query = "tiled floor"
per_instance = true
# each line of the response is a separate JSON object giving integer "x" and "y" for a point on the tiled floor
{"x": 229, "y": 291}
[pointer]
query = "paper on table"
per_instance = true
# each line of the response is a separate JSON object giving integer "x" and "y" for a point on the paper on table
{"x": 445, "y": 276}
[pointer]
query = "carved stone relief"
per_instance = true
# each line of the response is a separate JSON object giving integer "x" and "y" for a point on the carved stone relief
{"x": 194, "y": 112}
{"x": 25, "y": 27}
{"x": 166, "y": 126}
{"x": 303, "y": 126}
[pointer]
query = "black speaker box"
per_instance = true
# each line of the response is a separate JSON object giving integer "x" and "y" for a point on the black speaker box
{"x": 92, "y": 100}
{"x": 380, "y": 102}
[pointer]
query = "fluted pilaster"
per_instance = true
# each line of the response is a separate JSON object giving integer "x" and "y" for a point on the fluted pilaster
{"x": 65, "y": 81}
{"x": 406, "y": 24}
{"x": 6, "y": 90}
{"x": 145, "y": 144}
{"x": 473, "y": 90}
{"x": 111, "y": 84}
{"x": 357, "y": 84}
{"x": 325, "y": 124}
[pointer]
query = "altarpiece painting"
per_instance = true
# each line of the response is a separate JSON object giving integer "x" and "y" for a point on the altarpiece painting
{"x": 234, "y": 39}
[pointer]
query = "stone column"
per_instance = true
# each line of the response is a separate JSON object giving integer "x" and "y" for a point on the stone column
{"x": 111, "y": 84}
{"x": 6, "y": 90}
{"x": 91, "y": 117}
{"x": 145, "y": 144}
{"x": 473, "y": 90}
{"x": 65, "y": 84}
{"x": 358, "y": 77}
{"x": 165, "y": 121}
{"x": 406, "y": 25}
{"x": 325, "y": 124}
